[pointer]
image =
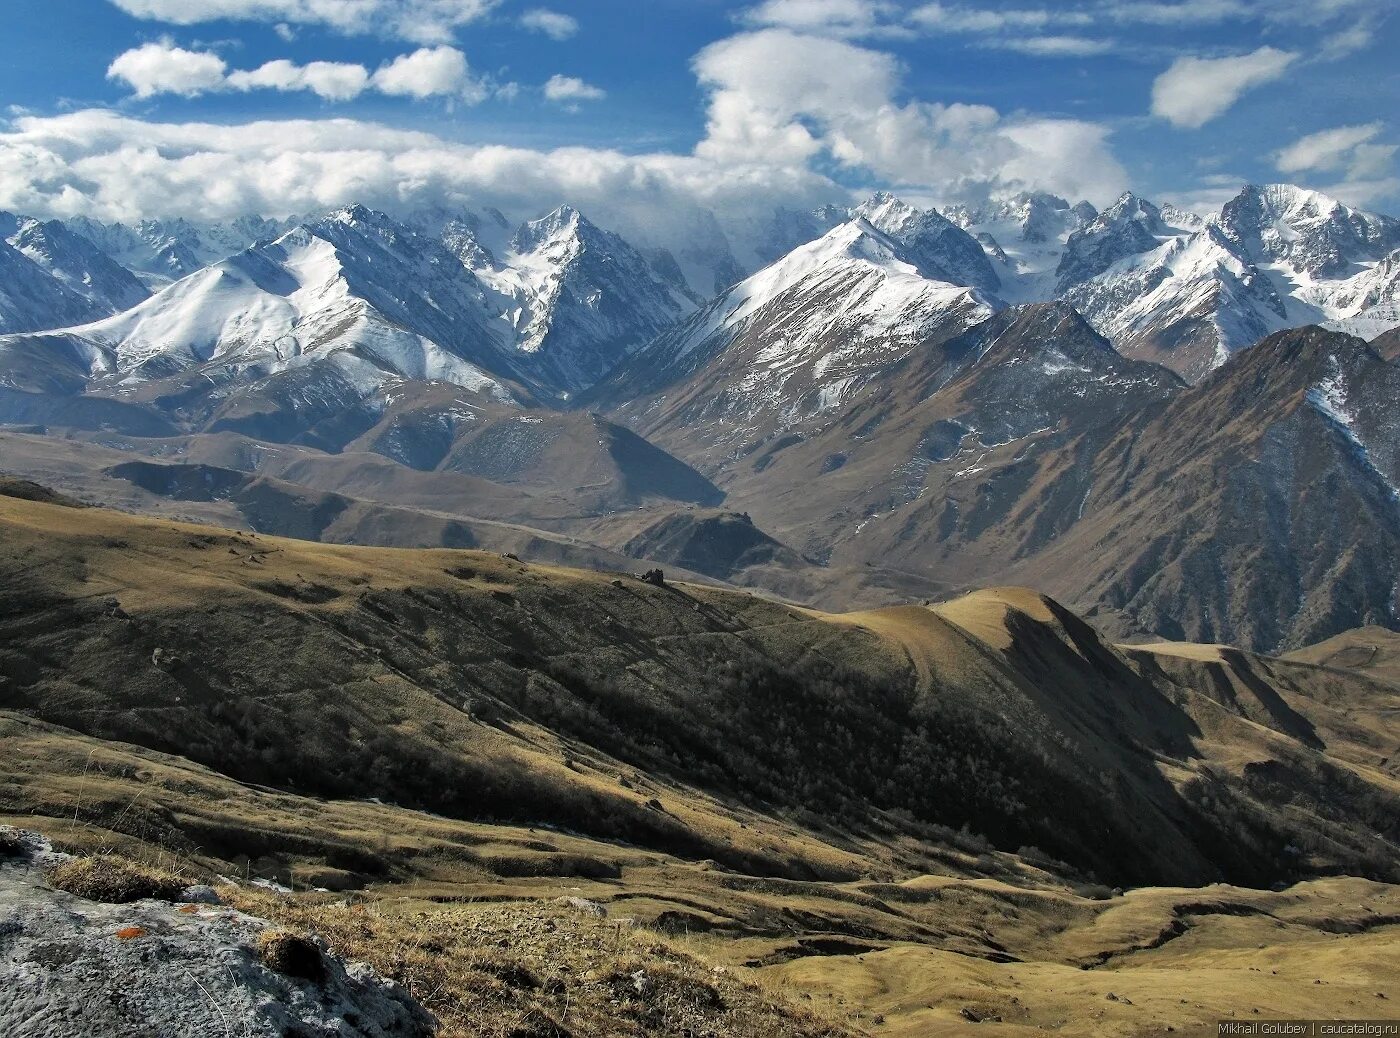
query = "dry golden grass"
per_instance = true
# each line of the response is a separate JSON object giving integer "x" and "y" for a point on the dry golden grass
{"x": 115, "y": 880}
{"x": 520, "y": 970}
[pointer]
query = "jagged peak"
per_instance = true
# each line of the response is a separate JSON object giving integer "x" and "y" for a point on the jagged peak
{"x": 1290, "y": 200}
{"x": 1133, "y": 205}
{"x": 563, "y": 222}
{"x": 355, "y": 213}
{"x": 890, "y": 213}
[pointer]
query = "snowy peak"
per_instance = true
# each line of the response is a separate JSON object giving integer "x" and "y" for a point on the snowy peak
{"x": 1129, "y": 227}
{"x": 891, "y": 215}
{"x": 75, "y": 262}
{"x": 797, "y": 339}
{"x": 1130, "y": 207}
{"x": 161, "y": 251}
{"x": 576, "y": 300}
{"x": 1035, "y": 217}
{"x": 1306, "y": 231}
{"x": 564, "y": 223}
{"x": 375, "y": 301}
{"x": 940, "y": 249}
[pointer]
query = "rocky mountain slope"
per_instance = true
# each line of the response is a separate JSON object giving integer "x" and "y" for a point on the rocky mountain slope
{"x": 1027, "y": 448}
{"x": 962, "y": 457}
{"x": 795, "y": 340}
{"x": 1258, "y": 507}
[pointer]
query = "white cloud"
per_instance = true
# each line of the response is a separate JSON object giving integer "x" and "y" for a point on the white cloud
{"x": 1181, "y": 12}
{"x": 430, "y": 72}
{"x": 553, "y": 24}
{"x": 1327, "y": 149}
{"x": 571, "y": 89}
{"x": 1344, "y": 148}
{"x": 114, "y": 167}
{"x": 782, "y": 98}
{"x": 840, "y": 17}
{"x": 422, "y": 21}
{"x": 1054, "y": 46}
{"x": 334, "y": 81}
{"x": 1196, "y": 90}
{"x": 955, "y": 18}
{"x": 1356, "y": 37}
{"x": 163, "y": 68}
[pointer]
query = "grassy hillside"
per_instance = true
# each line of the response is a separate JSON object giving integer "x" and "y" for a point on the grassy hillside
{"x": 671, "y": 717}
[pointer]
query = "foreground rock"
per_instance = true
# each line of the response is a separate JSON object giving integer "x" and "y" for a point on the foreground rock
{"x": 73, "y": 968}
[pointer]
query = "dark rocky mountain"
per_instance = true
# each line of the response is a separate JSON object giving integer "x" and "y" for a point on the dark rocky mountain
{"x": 962, "y": 458}
{"x": 1258, "y": 508}
{"x": 1388, "y": 344}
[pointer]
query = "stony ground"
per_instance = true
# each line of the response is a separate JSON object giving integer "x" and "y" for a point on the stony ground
{"x": 74, "y": 968}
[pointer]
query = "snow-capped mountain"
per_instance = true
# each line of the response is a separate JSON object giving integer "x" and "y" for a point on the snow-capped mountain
{"x": 1187, "y": 291}
{"x": 50, "y": 276}
{"x": 574, "y": 300}
{"x": 1188, "y": 302}
{"x": 553, "y": 305}
{"x": 354, "y": 289}
{"x": 30, "y": 298}
{"x": 550, "y": 307}
{"x": 75, "y": 262}
{"x": 1306, "y": 232}
{"x": 1024, "y": 237}
{"x": 795, "y": 339}
{"x": 941, "y": 250}
{"x": 162, "y": 251}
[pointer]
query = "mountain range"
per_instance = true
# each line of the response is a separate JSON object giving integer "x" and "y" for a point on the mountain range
{"x": 900, "y": 403}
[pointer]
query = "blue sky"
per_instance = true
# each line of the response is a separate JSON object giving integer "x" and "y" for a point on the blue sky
{"x": 129, "y": 108}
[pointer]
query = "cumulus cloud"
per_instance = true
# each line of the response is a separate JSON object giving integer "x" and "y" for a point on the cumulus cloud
{"x": 553, "y": 24}
{"x": 421, "y": 21}
{"x": 571, "y": 89}
{"x": 163, "y": 68}
{"x": 334, "y": 81}
{"x": 430, "y": 72}
{"x": 1345, "y": 148}
{"x": 1196, "y": 90}
{"x": 784, "y": 98}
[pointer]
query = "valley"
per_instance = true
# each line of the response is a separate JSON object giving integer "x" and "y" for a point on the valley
{"x": 452, "y": 740}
